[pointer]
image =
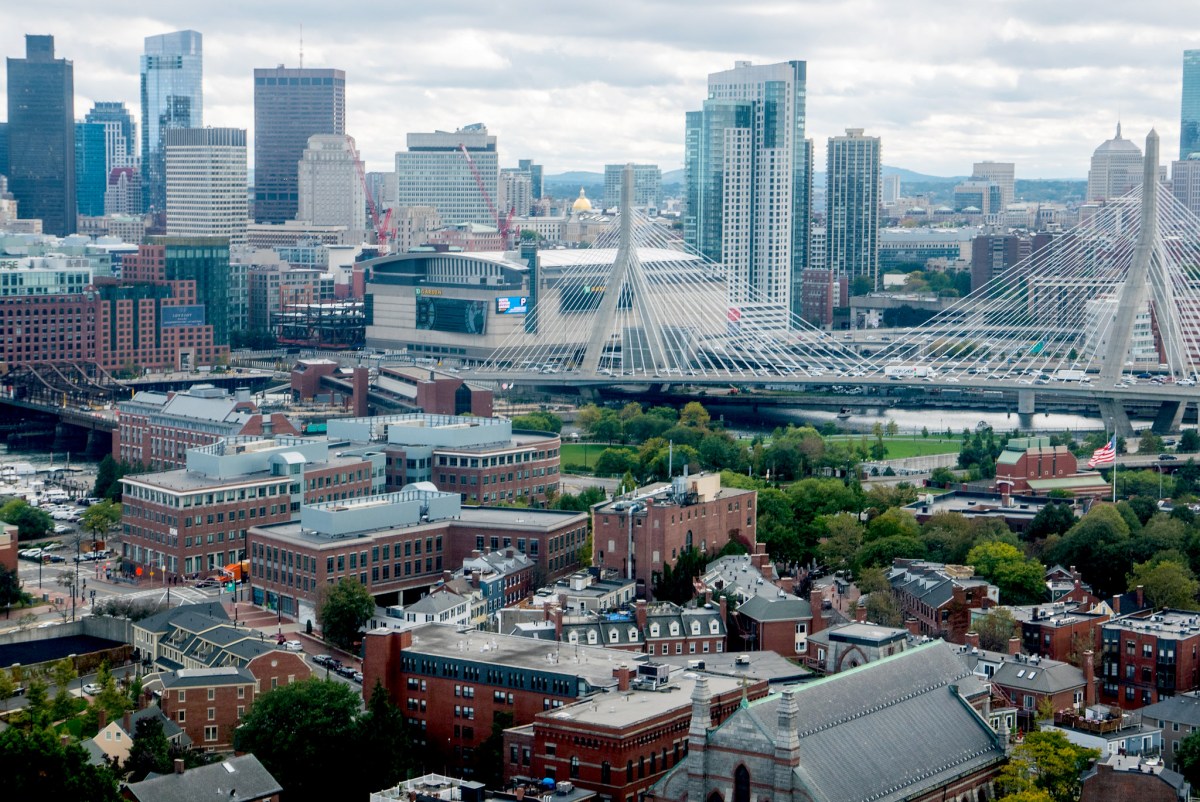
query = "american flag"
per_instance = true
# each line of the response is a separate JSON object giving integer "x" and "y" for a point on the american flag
{"x": 1105, "y": 455}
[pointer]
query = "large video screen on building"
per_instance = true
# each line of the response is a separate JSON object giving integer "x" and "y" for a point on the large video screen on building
{"x": 174, "y": 317}
{"x": 456, "y": 315}
{"x": 582, "y": 296}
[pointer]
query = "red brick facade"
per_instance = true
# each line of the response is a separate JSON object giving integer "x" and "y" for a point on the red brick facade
{"x": 1148, "y": 658}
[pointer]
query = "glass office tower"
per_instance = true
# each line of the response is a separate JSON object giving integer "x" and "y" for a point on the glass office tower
{"x": 172, "y": 97}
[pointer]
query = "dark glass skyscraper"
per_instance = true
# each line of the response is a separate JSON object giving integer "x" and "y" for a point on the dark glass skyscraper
{"x": 1189, "y": 112}
{"x": 91, "y": 173}
{"x": 41, "y": 135}
{"x": 290, "y": 105}
{"x": 172, "y": 97}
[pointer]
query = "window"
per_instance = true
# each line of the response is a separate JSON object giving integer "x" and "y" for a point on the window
{"x": 212, "y": 694}
{"x": 212, "y": 714}
{"x": 181, "y": 716}
{"x": 741, "y": 784}
{"x": 210, "y": 733}
{"x": 574, "y": 767}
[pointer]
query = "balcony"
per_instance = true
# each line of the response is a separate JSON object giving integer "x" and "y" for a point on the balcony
{"x": 1070, "y": 719}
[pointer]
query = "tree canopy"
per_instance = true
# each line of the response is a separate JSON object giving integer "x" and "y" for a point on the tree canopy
{"x": 1049, "y": 763}
{"x": 342, "y": 609}
{"x": 1020, "y": 580}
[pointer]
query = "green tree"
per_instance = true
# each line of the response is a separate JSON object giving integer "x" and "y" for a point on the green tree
{"x": 694, "y": 414}
{"x": 1166, "y": 583}
{"x": 587, "y": 417}
{"x": 149, "y": 751}
{"x": 384, "y": 749}
{"x": 1052, "y": 519}
{"x": 37, "y": 765}
{"x": 7, "y": 687}
{"x": 1187, "y": 757}
{"x": 1189, "y": 441}
{"x": 10, "y": 590}
{"x": 883, "y": 610}
{"x": 342, "y": 609}
{"x": 538, "y": 422}
{"x": 1149, "y": 442}
{"x": 777, "y": 526}
{"x": 1099, "y": 546}
{"x": 1020, "y": 580}
{"x": 31, "y": 522}
{"x": 100, "y": 518}
{"x": 843, "y": 538}
{"x": 110, "y": 699}
{"x": 615, "y": 461}
{"x": 291, "y": 730}
{"x": 948, "y": 537}
{"x": 106, "y": 477}
{"x": 1047, "y": 762}
{"x": 62, "y": 674}
{"x": 884, "y": 497}
{"x": 675, "y": 582}
{"x": 895, "y": 522}
{"x": 884, "y": 551}
{"x": 942, "y": 477}
{"x": 995, "y": 629}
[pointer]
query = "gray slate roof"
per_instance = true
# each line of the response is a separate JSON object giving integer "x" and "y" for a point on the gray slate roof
{"x": 1044, "y": 677}
{"x": 1181, "y": 709}
{"x": 889, "y": 730}
{"x": 161, "y": 622}
{"x": 762, "y": 608}
{"x": 206, "y": 677}
{"x": 243, "y": 775}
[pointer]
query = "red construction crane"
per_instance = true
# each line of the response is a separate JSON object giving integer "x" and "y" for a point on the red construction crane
{"x": 385, "y": 229}
{"x": 503, "y": 224}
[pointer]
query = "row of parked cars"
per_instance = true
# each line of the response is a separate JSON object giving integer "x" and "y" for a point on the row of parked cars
{"x": 336, "y": 666}
{"x": 46, "y": 555}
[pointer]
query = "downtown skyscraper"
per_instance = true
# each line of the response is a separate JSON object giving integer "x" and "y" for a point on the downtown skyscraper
{"x": 41, "y": 136}
{"x": 748, "y": 179}
{"x": 1189, "y": 110}
{"x": 852, "y": 187}
{"x": 852, "y": 208}
{"x": 172, "y": 97}
{"x": 290, "y": 105}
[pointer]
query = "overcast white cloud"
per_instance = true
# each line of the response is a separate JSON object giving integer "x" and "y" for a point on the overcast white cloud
{"x": 577, "y": 85}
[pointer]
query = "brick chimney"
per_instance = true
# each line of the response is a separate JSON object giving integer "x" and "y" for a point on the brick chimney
{"x": 1116, "y": 604}
{"x": 913, "y": 626}
{"x": 623, "y": 674}
{"x": 509, "y": 553}
{"x": 725, "y": 611}
{"x": 788, "y": 584}
{"x": 972, "y": 640}
{"x": 816, "y": 599}
{"x": 476, "y": 554}
{"x": 641, "y": 611}
{"x": 178, "y": 765}
{"x": 558, "y": 623}
{"x": 447, "y": 575}
{"x": 101, "y": 718}
{"x": 1089, "y": 678}
{"x": 708, "y": 596}
{"x": 1014, "y": 646}
{"x": 361, "y": 384}
{"x": 1140, "y": 590}
{"x": 860, "y": 612}
{"x": 476, "y": 575}
{"x": 126, "y": 722}
{"x": 760, "y": 558}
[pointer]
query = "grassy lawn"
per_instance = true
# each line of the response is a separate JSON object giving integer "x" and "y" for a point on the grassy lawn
{"x": 582, "y": 453}
{"x": 901, "y": 447}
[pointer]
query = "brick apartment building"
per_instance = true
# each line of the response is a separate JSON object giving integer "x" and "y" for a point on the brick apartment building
{"x": 665, "y": 520}
{"x": 8, "y": 547}
{"x": 398, "y": 544}
{"x": 450, "y": 684}
{"x": 481, "y": 459}
{"x": 1056, "y": 633}
{"x": 769, "y": 617}
{"x": 195, "y": 519}
{"x": 156, "y": 429}
{"x": 1133, "y": 777}
{"x": 940, "y": 597}
{"x": 209, "y": 703}
{"x": 1147, "y": 657}
{"x": 618, "y": 744}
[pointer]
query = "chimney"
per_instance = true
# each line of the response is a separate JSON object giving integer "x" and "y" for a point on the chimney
{"x": 760, "y": 557}
{"x": 1141, "y": 596}
{"x": 520, "y": 793}
{"x": 1037, "y": 613}
{"x": 447, "y": 575}
{"x": 558, "y": 621}
{"x": 1089, "y": 678}
{"x": 623, "y": 674}
{"x": 476, "y": 575}
{"x": 178, "y": 764}
{"x": 641, "y": 610}
{"x": 509, "y": 553}
{"x": 816, "y": 600}
{"x": 725, "y": 611}
{"x": 361, "y": 385}
{"x": 476, "y": 554}
{"x": 788, "y": 584}
{"x": 126, "y": 722}
{"x": 65, "y": 739}
{"x": 913, "y": 626}
{"x": 707, "y": 596}
{"x": 1116, "y": 604}
{"x": 972, "y": 640}
{"x": 101, "y": 718}
{"x": 860, "y": 612}
{"x": 1014, "y": 646}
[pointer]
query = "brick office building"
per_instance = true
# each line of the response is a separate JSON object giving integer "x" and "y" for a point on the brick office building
{"x": 620, "y": 743}
{"x": 195, "y": 519}
{"x": 1054, "y": 632}
{"x": 156, "y": 429}
{"x": 663, "y": 521}
{"x": 1147, "y": 657}
{"x": 451, "y": 684}
{"x": 481, "y": 459}
{"x": 398, "y": 544}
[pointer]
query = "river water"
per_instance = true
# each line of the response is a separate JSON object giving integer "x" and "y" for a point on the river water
{"x": 911, "y": 420}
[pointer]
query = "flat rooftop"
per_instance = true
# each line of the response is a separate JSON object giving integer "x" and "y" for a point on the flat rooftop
{"x": 183, "y": 480}
{"x": 1170, "y": 624}
{"x": 591, "y": 663}
{"x": 772, "y": 667}
{"x": 616, "y": 710}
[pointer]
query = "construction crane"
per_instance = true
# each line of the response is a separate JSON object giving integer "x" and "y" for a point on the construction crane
{"x": 385, "y": 229}
{"x": 503, "y": 224}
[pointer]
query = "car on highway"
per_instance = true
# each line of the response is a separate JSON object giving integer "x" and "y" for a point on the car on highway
{"x": 1168, "y": 457}
{"x": 293, "y": 646}
{"x": 91, "y": 689}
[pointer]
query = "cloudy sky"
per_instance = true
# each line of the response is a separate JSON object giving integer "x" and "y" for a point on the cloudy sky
{"x": 576, "y": 85}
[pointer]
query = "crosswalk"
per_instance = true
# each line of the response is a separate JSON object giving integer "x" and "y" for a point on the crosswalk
{"x": 182, "y": 594}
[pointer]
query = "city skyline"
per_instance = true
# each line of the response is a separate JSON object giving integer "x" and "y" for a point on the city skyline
{"x": 942, "y": 87}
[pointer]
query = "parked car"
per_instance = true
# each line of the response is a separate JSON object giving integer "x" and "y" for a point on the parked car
{"x": 346, "y": 671}
{"x": 91, "y": 689}
{"x": 322, "y": 659}
{"x": 293, "y": 646}
{"x": 357, "y": 677}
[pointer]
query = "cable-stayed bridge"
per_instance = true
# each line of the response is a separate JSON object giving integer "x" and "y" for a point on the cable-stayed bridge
{"x": 1107, "y": 311}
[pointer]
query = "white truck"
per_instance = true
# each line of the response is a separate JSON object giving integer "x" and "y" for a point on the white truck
{"x": 907, "y": 371}
{"x": 1070, "y": 375}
